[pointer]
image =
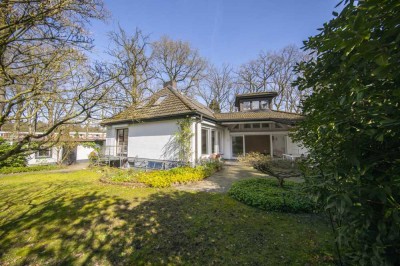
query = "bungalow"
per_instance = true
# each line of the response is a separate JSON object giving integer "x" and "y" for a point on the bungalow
{"x": 61, "y": 153}
{"x": 148, "y": 131}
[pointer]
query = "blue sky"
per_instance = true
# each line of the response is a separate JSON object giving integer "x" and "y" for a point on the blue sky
{"x": 224, "y": 31}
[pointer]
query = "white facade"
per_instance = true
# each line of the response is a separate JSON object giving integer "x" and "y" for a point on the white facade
{"x": 155, "y": 140}
{"x": 52, "y": 157}
{"x": 82, "y": 153}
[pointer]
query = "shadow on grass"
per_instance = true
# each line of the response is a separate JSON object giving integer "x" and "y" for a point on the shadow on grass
{"x": 175, "y": 228}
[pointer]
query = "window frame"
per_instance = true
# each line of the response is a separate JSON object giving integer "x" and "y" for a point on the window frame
{"x": 207, "y": 141}
{"x": 49, "y": 154}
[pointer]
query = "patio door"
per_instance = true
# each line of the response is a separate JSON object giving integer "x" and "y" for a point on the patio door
{"x": 122, "y": 142}
{"x": 237, "y": 146}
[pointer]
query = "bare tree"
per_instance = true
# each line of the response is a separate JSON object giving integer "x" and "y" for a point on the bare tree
{"x": 46, "y": 81}
{"x": 274, "y": 71}
{"x": 217, "y": 87}
{"x": 289, "y": 96}
{"x": 255, "y": 75}
{"x": 178, "y": 61}
{"x": 132, "y": 58}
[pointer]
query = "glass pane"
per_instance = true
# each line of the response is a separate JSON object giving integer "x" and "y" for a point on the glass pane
{"x": 213, "y": 141}
{"x": 204, "y": 141}
{"x": 125, "y": 136}
{"x": 265, "y": 125}
{"x": 256, "y": 125}
{"x": 246, "y": 106}
{"x": 255, "y": 105}
{"x": 264, "y": 104}
{"x": 247, "y": 125}
{"x": 219, "y": 142}
{"x": 237, "y": 145}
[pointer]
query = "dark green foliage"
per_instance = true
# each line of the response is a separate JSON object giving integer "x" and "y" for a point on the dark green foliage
{"x": 21, "y": 169}
{"x": 352, "y": 128}
{"x": 12, "y": 161}
{"x": 266, "y": 194}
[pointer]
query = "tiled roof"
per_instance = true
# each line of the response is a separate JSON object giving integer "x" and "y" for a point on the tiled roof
{"x": 175, "y": 104}
{"x": 276, "y": 116}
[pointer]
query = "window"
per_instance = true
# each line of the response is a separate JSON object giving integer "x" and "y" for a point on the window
{"x": 264, "y": 104}
{"x": 237, "y": 146}
{"x": 256, "y": 125}
{"x": 204, "y": 141}
{"x": 265, "y": 125}
{"x": 278, "y": 125}
{"x": 220, "y": 142}
{"x": 255, "y": 105}
{"x": 159, "y": 100}
{"x": 246, "y": 106}
{"x": 46, "y": 153}
{"x": 122, "y": 141}
{"x": 236, "y": 126}
{"x": 247, "y": 126}
{"x": 213, "y": 141}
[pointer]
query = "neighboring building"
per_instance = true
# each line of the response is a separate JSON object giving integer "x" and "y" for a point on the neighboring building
{"x": 148, "y": 131}
{"x": 79, "y": 153}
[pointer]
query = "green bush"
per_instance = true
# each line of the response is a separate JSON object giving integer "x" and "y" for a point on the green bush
{"x": 93, "y": 157}
{"x": 21, "y": 169}
{"x": 266, "y": 194}
{"x": 12, "y": 161}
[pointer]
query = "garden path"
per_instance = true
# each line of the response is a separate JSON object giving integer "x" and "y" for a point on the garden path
{"x": 222, "y": 180}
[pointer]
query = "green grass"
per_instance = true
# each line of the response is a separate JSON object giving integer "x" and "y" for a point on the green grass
{"x": 72, "y": 218}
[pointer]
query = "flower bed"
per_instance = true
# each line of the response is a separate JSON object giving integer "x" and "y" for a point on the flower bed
{"x": 160, "y": 178}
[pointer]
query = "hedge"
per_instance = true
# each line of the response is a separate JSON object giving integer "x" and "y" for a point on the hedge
{"x": 265, "y": 194}
{"x": 21, "y": 169}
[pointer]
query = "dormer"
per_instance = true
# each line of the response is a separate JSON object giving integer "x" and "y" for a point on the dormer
{"x": 254, "y": 102}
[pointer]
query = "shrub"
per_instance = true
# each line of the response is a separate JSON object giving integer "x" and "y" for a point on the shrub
{"x": 179, "y": 175}
{"x": 278, "y": 168}
{"x": 253, "y": 158}
{"x": 21, "y": 169}
{"x": 267, "y": 195}
{"x": 12, "y": 161}
{"x": 162, "y": 178}
{"x": 93, "y": 157}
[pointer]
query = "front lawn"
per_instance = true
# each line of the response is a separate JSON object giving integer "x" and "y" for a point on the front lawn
{"x": 73, "y": 218}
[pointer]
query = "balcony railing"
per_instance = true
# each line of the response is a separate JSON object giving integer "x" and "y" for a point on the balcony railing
{"x": 114, "y": 151}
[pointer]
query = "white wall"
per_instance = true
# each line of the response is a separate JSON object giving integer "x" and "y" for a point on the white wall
{"x": 82, "y": 153}
{"x": 227, "y": 146}
{"x": 153, "y": 140}
{"x": 32, "y": 160}
{"x": 294, "y": 147}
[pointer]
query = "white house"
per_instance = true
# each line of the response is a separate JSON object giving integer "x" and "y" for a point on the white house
{"x": 57, "y": 154}
{"x": 148, "y": 131}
